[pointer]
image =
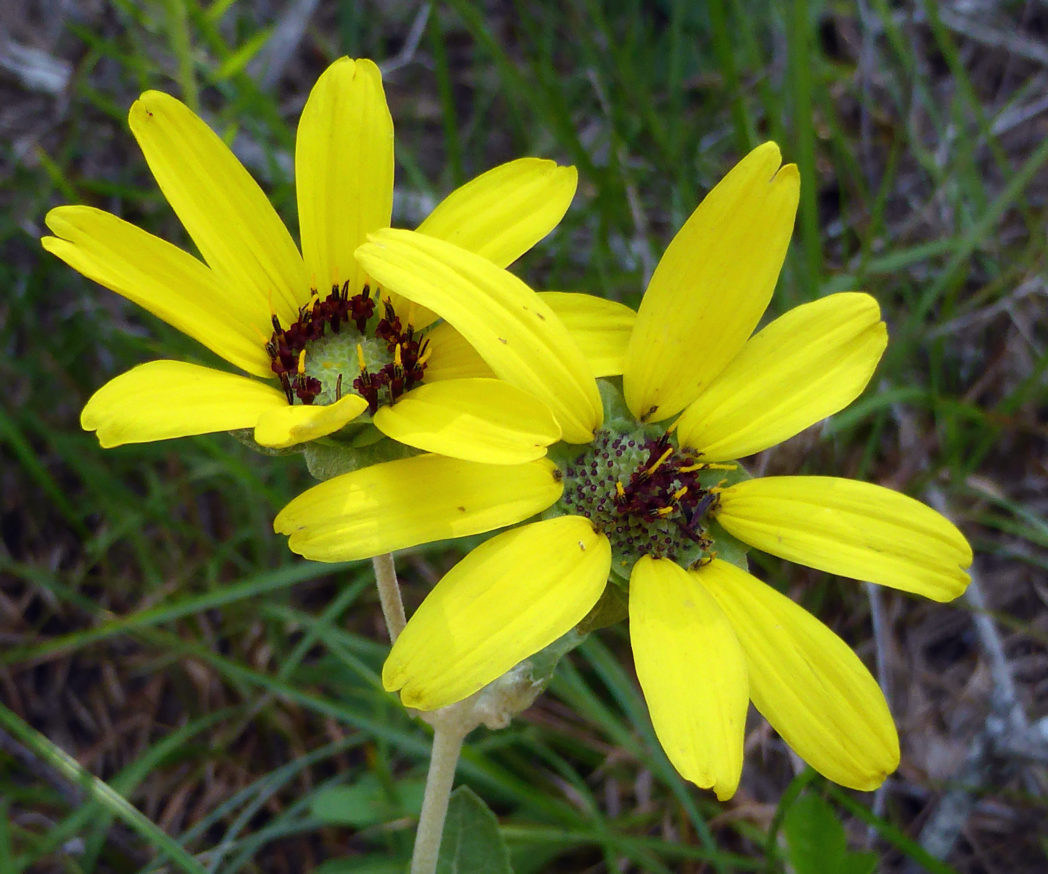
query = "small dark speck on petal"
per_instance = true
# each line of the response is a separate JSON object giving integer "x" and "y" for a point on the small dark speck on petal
{"x": 503, "y": 340}
{"x": 461, "y": 509}
{"x": 582, "y": 546}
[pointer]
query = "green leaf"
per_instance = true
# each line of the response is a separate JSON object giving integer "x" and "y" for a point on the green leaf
{"x": 860, "y": 863}
{"x": 367, "y": 802}
{"x": 816, "y": 843}
{"x": 472, "y": 843}
{"x": 357, "y": 866}
{"x": 243, "y": 55}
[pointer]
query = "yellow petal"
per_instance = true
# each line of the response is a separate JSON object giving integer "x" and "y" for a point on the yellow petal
{"x": 225, "y": 212}
{"x": 343, "y": 170}
{"x": 804, "y": 366}
{"x": 693, "y": 674}
{"x": 164, "y": 399}
{"x": 504, "y": 212}
{"x": 483, "y": 420}
{"x": 807, "y": 682}
{"x": 499, "y": 215}
{"x": 712, "y": 286}
{"x": 506, "y": 600}
{"x": 451, "y": 356}
{"x": 518, "y": 335}
{"x": 600, "y": 327}
{"x": 850, "y": 528}
{"x": 173, "y": 285}
{"x": 413, "y": 501}
{"x": 289, "y": 425}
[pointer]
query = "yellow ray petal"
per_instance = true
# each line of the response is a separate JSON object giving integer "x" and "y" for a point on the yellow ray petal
{"x": 850, "y": 528}
{"x": 504, "y": 212}
{"x": 343, "y": 170}
{"x": 451, "y": 356}
{"x": 518, "y": 335}
{"x": 712, "y": 286}
{"x": 499, "y": 215}
{"x": 289, "y": 425}
{"x": 173, "y": 285}
{"x": 807, "y": 682}
{"x": 413, "y": 501}
{"x": 164, "y": 399}
{"x": 804, "y": 366}
{"x": 225, "y": 212}
{"x": 600, "y": 327}
{"x": 483, "y": 420}
{"x": 692, "y": 672}
{"x": 506, "y": 600}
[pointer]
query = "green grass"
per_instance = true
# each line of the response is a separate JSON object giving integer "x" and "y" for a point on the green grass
{"x": 177, "y": 688}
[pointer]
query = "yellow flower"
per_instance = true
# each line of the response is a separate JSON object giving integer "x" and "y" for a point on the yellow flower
{"x": 656, "y": 509}
{"x": 321, "y": 343}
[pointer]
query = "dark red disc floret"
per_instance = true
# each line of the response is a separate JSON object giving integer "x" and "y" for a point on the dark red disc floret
{"x": 388, "y": 383}
{"x": 285, "y": 346}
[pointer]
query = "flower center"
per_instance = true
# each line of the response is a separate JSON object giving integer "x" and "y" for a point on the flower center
{"x": 330, "y": 349}
{"x": 645, "y": 495}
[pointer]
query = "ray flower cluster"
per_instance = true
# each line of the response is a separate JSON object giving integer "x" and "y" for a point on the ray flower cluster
{"x": 652, "y": 502}
{"x": 323, "y": 346}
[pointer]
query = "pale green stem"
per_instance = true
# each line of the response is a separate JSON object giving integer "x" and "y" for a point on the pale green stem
{"x": 447, "y": 743}
{"x": 389, "y": 594}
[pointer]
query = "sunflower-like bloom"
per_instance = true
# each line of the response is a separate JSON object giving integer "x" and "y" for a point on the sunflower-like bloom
{"x": 322, "y": 344}
{"x": 653, "y": 504}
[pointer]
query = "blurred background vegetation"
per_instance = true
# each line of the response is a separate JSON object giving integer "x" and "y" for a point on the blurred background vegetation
{"x": 180, "y": 693}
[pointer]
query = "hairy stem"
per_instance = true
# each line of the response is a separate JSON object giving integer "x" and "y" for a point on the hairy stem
{"x": 389, "y": 594}
{"x": 448, "y": 735}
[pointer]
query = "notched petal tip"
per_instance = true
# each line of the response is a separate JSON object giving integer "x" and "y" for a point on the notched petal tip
{"x": 806, "y": 365}
{"x": 692, "y": 671}
{"x": 787, "y": 174}
{"x": 505, "y": 601}
{"x": 711, "y": 285}
{"x": 164, "y": 399}
{"x": 57, "y": 219}
{"x": 806, "y": 681}
{"x": 148, "y": 103}
{"x": 288, "y": 426}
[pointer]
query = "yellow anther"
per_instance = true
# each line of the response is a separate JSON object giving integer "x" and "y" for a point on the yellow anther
{"x": 680, "y": 493}
{"x": 705, "y": 465}
{"x": 661, "y": 459}
{"x": 664, "y": 511}
{"x": 619, "y": 490}
{"x": 361, "y": 363}
{"x": 673, "y": 427}
{"x": 302, "y": 362}
{"x": 397, "y": 361}
{"x": 424, "y": 357}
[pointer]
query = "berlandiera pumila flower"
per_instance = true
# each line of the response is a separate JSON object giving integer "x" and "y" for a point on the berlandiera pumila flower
{"x": 653, "y": 507}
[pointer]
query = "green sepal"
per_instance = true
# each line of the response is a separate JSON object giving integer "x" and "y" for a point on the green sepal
{"x": 727, "y": 548}
{"x": 611, "y": 608}
{"x": 247, "y": 437}
{"x": 542, "y": 664}
{"x": 617, "y": 416}
{"x": 329, "y": 458}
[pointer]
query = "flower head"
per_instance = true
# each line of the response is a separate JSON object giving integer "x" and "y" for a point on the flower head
{"x": 655, "y": 504}
{"x": 322, "y": 343}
